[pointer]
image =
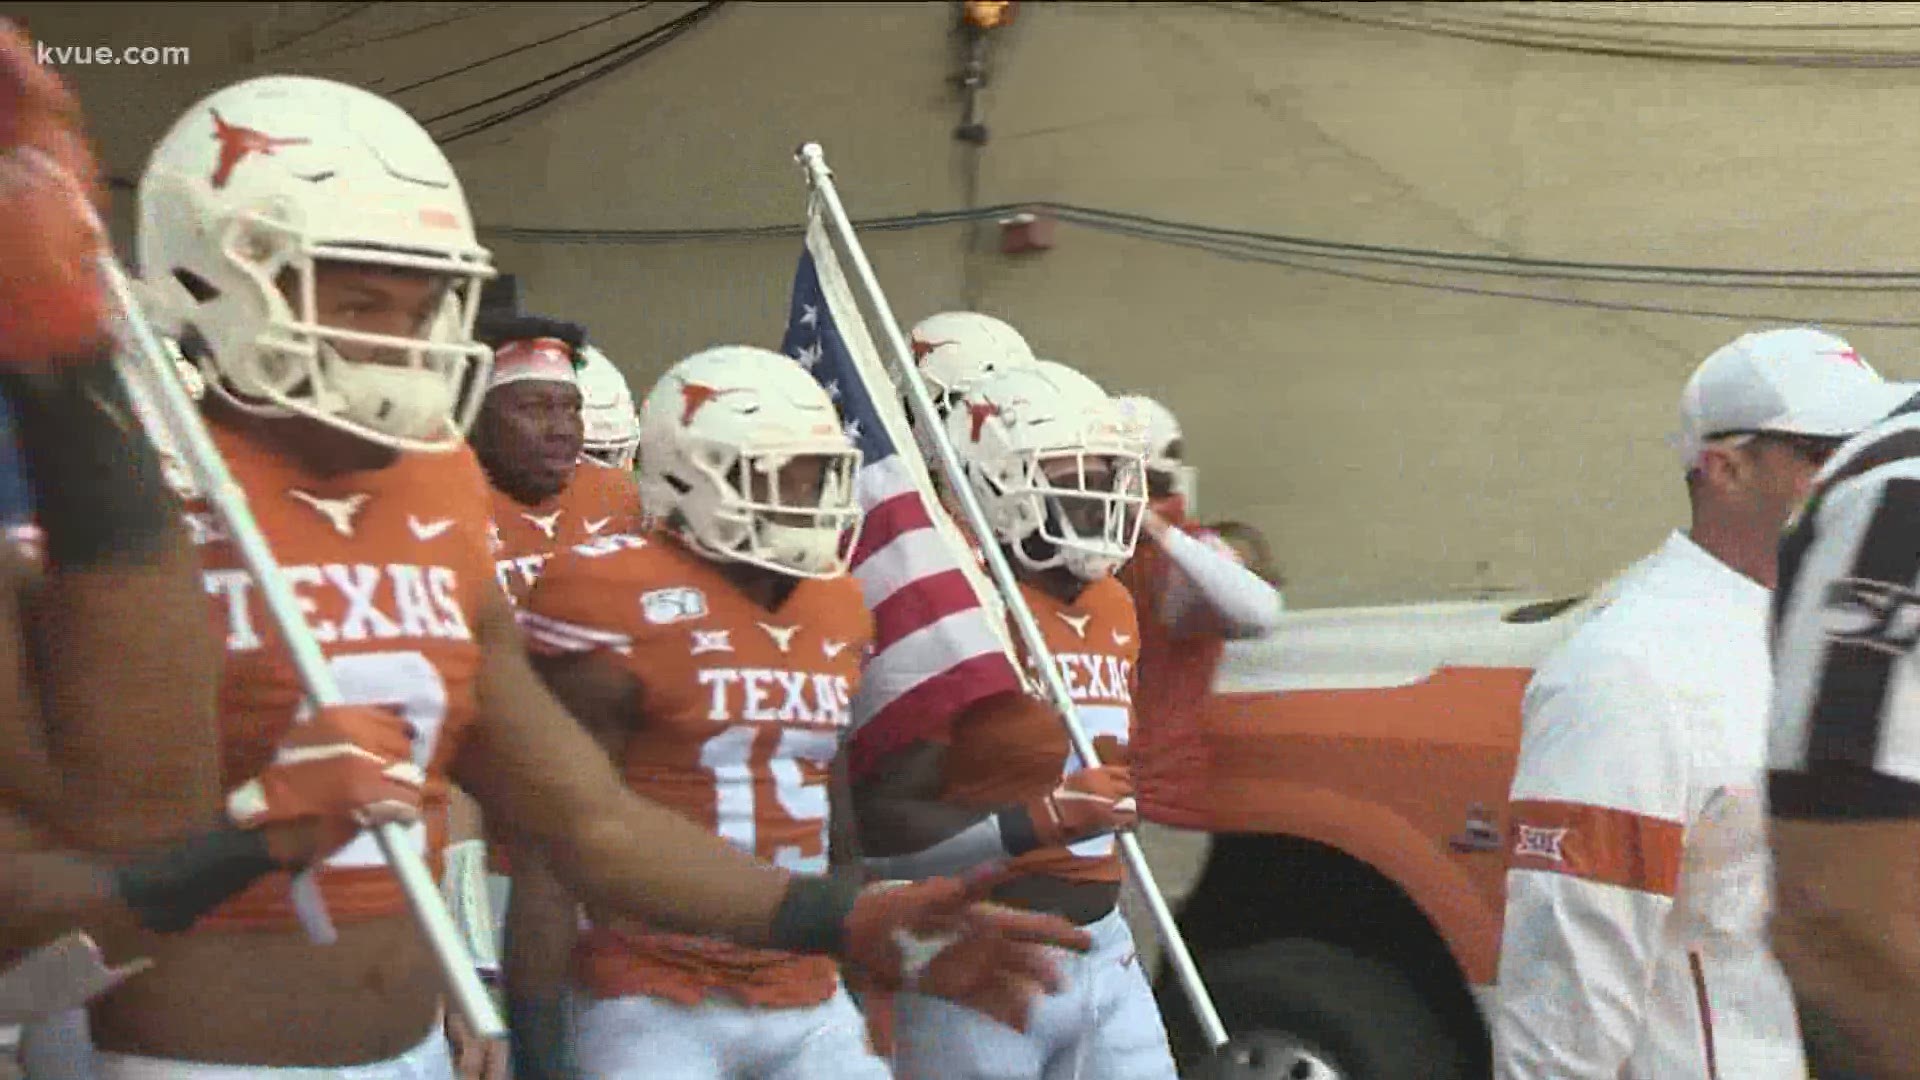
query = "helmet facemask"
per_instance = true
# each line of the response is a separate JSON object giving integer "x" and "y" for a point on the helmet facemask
{"x": 752, "y": 506}
{"x": 1076, "y": 508}
{"x": 273, "y": 357}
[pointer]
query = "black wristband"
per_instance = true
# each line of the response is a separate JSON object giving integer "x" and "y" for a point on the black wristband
{"x": 99, "y": 493}
{"x": 540, "y": 1037}
{"x": 1017, "y": 834}
{"x": 169, "y": 892}
{"x": 812, "y": 917}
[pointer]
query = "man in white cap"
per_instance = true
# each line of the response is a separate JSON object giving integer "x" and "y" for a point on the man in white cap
{"x": 1844, "y": 789}
{"x": 1639, "y": 880}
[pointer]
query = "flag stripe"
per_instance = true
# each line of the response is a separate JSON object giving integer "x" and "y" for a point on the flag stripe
{"x": 888, "y": 520}
{"x": 918, "y": 603}
{"x": 907, "y": 559}
{"x": 927, "y": 709}
{"x": 937, "y": 644}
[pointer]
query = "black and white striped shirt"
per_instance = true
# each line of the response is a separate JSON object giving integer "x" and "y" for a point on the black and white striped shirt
{"x": 1845, "y": 740}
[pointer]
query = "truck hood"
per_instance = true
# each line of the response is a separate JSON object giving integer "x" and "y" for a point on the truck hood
{"x": 1400, "y": 645}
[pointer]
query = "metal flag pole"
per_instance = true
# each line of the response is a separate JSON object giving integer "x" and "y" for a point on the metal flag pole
{"x": 146, "y": 369}
{"x": 813, "y": 160}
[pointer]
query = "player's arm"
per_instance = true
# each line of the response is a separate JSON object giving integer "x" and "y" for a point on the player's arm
{"x": 342, "y": 770}
{"x": 843, "y": 833}
{"x": 908, "y": 830}
{"x": 1599, "y": 807}
{"x": 124, "y": 652}
{"x": 124, "y": 656}
{"x": 1844, "y": 795}
{"x": 542, "y": 924}
{"x": 541, "y": 777}
{"x": 1208, "y": 591}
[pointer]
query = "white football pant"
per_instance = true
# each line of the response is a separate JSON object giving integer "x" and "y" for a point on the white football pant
{"x": 647, "y": 1038}
{"x": 431, "y": 1060}
{"x": 59, "y": 1047}
{"x": 1103, "y": 1025}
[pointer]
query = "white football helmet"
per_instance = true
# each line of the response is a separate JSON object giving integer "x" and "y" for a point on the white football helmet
{"x": 1048, "y": 457}
{"x": 716, "y": 433}
{"x": 1157, "y": 429}
{"x": 613, "y": 428}
{"x": 257, "y": 184}
{"x": 958, "y": 348}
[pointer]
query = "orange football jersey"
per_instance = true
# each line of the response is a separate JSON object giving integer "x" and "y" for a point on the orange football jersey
{"x": 1170, "y": 768}
{"x": 390, "y": 568}
{"x": 741, "y": 712}
{"x": 598, "y": 501}
{"x": 1011, "y": 747}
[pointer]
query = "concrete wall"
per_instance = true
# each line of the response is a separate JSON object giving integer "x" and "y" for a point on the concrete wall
{"x": 1397, "y": 442}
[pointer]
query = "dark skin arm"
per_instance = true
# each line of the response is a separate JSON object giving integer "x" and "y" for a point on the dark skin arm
{"x": 551, "y": 787}
{"x": 899, "y": 807}
{"x": 127, "y": 666}
{"x": 46, "y": 891}
{"x": 1846, "y": 928}
{"x": 541, "y": 928}
{"x": 541, "y": 925}
{"x": 843, "y": 833}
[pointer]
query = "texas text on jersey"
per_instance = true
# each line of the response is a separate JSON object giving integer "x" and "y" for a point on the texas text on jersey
{"x": 600, "y": 500}
{"x": 1847, "y": 635}
{"x": 742, "y": 710}
{"x": 1010, "y": 747}
{"x": 389, "y": 567}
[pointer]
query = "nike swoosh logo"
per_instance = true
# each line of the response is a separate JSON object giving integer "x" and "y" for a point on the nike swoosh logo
{"x": 593, "y": 527}
{"x": 428, "y": 530}
{"x": 1122, "y": 639}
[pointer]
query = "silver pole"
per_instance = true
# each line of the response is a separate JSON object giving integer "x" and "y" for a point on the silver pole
{"x": 813, "y": 159}
{"x": 146, "y": 369}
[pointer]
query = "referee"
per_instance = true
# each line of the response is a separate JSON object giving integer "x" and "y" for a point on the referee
{"x": 1844, "y": 778}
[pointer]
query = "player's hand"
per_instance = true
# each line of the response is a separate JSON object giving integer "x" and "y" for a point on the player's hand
{"x": 1091, "y": 802}
{"x": 931, "y": 937}
{"x": 347, "y": 768}
{"x": 53, "y": 304}
{"x": 474, "y": 1057}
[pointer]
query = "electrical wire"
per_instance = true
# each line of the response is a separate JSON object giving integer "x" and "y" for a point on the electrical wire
{"x": 463, "y": 69}
{"x": 1398, "y": 255}
{"x": 1449, "y": 20}
{"x": 1212, "y": 241}
{"x": 642, "y": 46}
{"x": 471, "y": 11}
{"x": 323, "y": 25}
{"x": 1248, "y": 254}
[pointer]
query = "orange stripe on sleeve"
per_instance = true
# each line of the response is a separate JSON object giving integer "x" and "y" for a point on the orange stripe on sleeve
{"x": 1595, "y": 843}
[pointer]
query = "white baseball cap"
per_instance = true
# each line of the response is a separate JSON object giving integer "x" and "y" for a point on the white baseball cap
{"x": 1791, "y": 381}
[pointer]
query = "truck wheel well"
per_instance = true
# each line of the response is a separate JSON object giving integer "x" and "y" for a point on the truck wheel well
{"x": 1260, "y": 888}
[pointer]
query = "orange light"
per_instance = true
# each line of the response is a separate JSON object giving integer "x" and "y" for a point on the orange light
{"x": 989, "y": 14}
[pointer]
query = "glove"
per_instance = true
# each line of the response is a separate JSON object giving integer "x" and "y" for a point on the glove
{"x": 1091, "y": 802}
{"x": 931, "y": 937}
{"x": 348, "y": 768}
{"x": 53, "y": 304}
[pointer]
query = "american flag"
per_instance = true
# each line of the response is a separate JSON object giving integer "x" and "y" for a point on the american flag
{"x": 940, "y": 641}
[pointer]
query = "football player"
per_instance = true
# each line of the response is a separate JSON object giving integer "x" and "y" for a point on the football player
{"x": 106, "y": 824}
{"x": 1196, "y": 595}
{"x": 316, "y": 240}
{"x": 547, "y": 495}
{"x": 529, "y": 436}
{"x": 957, "y": 348}
{"x": 612, "y": 427}
{"x": 715, "y": 659}
{"x": 1062, "y": 486}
